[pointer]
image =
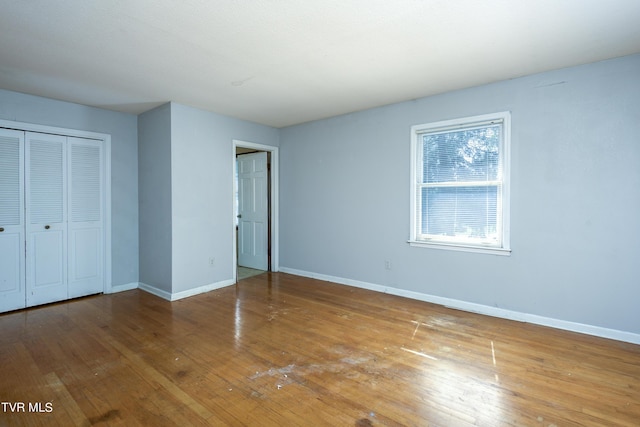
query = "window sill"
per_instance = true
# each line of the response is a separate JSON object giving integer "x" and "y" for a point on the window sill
{"x": 460, "y": 248}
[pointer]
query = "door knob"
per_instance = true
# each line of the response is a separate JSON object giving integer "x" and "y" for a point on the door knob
{"x": 1, "y": 229}
{"x": 239, "y": 216}
{"x": 46, "y": 227}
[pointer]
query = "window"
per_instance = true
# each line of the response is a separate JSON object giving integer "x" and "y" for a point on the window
{"x": 460, "y": 184}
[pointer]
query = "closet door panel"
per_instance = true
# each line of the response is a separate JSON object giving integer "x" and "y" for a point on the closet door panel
{"x": 12, "y": 232}
{"x": 86, "y": 257}
{"x": 10, "y": 269}
{"x": 48, "y": 257}
{"x": 46, "y": 227}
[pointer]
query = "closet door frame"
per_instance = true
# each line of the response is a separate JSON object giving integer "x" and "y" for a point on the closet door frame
{"x": 105, "y": 140}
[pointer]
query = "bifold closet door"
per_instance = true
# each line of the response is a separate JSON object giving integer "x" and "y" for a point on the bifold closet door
{"x": 46, "y": 214}
{"x": 12, "y": 238}
{"x": 85, "y": 219}
{"x": 52, "y": 193}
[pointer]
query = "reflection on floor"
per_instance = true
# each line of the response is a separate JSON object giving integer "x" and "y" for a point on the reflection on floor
{"x": 244, "y": 272}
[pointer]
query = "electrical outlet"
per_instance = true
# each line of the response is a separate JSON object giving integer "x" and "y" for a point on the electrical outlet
{"x": 387, "y": 265}
{"x": 212, "y": 261}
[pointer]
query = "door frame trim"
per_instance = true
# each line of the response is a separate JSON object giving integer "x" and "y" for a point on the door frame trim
{"x": 274, "y": 186}
{"x": 106, "y": 140}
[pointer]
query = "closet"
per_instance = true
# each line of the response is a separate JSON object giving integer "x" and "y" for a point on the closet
{"x": 52, "y": 209}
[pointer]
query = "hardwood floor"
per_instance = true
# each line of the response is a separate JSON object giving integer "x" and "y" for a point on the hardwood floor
{"x": 282, "y": 350}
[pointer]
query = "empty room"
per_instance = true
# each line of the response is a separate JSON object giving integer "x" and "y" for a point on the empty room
{"x": 340, "y": 213}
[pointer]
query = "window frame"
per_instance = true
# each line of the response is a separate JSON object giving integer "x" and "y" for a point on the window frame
{"x": 503, "y": 209}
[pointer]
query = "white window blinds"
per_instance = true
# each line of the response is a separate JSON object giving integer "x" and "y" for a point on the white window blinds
{"x": 460, "y": 182}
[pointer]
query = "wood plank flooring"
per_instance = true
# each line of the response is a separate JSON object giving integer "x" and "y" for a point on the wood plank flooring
{"x": 281, "y": 350}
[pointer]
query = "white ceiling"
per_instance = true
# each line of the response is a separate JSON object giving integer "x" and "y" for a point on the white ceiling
{"x": 282, "y": 62}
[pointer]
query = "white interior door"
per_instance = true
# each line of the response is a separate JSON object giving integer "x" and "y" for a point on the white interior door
{"x": 46, "y": 218}
{"x": 253, "y": 208}
{"x": 12, "y": 238}
{"x": 85, "y": 219}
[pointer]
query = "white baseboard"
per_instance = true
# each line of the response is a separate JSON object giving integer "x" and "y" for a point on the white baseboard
{"x": 202, "y": 289}
{"x": 477, "y": 308}
{"x": 184, "y": 294}
{"x": 155, "y": 291}
{"x": 122, "y": 288}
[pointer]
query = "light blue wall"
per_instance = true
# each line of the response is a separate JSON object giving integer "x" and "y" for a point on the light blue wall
{"x": 344, "y": 189}
{"x": 186, "y": 195}
{"x": 344, "y": 198}
{"x": 124, "y": 165}
{"x": 154, "y": 186}
{"x": 202, "y": 192}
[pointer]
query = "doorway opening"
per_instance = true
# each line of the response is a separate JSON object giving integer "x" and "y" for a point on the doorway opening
{"x": 255, "y": 209}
